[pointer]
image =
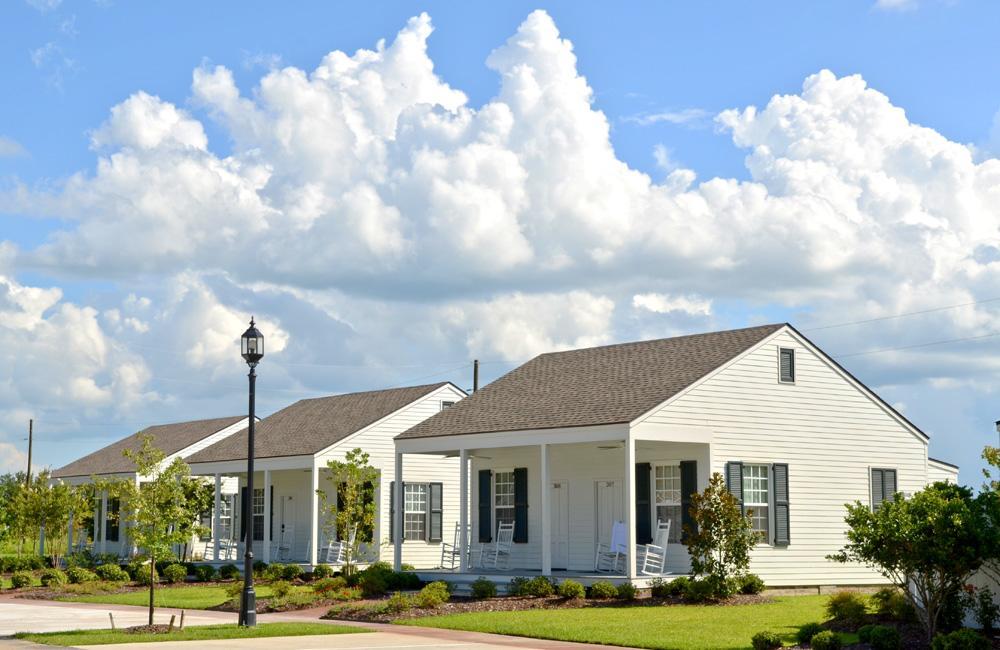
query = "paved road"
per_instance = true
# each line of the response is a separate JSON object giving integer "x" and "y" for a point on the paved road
{"x": 18, "y": 615}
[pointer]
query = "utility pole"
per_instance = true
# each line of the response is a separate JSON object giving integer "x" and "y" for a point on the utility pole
{"x": 475, "y": 375}
{"x": 31, "y": 431}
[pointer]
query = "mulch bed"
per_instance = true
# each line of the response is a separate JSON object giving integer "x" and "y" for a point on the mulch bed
{"x": 149, "y": 629}
{"x": 366, "y": 611}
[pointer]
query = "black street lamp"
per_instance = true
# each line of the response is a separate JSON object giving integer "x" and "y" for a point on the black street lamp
{"x": 252, "y": 349}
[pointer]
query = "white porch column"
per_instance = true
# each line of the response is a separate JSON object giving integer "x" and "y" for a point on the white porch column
{"x": 546, "y": 513}
{"x": 397, "y": 525}
{"x": 97, "y": 523}
{"x": 314, "y": 516}
{"x": 69, "y": 535}
{"x": 463, "y": 510}
{"x": 630, "y": 570}
{"x": 217, "y": 517}
{"x": 267, "y": 516}
{"x": 104, "y": 521}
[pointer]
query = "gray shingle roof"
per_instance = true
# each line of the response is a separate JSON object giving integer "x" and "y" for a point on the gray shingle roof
{"x": 169, "y": 438}
{"x": 604, "y": 385}
{"x": 311, "y": 425}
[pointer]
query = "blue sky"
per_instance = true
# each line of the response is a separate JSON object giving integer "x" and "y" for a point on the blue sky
{"x": 661, "y": 73}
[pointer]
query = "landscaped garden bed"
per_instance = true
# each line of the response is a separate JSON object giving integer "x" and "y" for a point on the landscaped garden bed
{"x": 144, "y": 634}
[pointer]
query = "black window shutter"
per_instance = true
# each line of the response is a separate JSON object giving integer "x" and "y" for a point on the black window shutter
{"x": 734, "y": 480}
{"x": 341, "y": 488}
{"x": 643, "y": 501}
{"x": 270, "y": 523}
{"x": 782, "y": 533}
{"x": 889, "y": 484}
{"x": 113, "y": 519}
{"x": 521, "y": 505}
{"x": 243, "y": 513}
{"x": 878, "y": 489}
{"x": 689, "y": 486}
{"x": 368, "y": 534}
{"x": 787, "y": 364}
{"x": 434, "y": 512}
{"x": 485, "y": 507}
{"x": 392, "y": 511}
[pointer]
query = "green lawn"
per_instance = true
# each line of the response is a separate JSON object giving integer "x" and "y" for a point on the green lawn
{"x": 192, "y": 633}
{"x": 675, "y": 627}
{"x": 185, "y": 597}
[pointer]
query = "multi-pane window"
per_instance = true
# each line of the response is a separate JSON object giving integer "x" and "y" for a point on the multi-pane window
{"x": 226, "y": 517}
{"x": 503, "y": 498}
{"x": 755, "y": 497}
{"x": 668, "y": 498}
{"x": 415, "y": 512}
{"x": 258, "y": 514}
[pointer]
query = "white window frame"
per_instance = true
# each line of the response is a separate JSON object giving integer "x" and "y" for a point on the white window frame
{"x": 768, "y": 496}
{"x": 675, "y": 526}
{"x": 494, "y": 507}
{"x": 783, "y": 348}
{"x": 425, "y": 488}
{"x": 871, "y": 483}
{"x": 257, "y": 510}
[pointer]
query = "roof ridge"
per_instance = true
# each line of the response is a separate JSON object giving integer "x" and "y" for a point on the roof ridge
{"x": 376, "y": 391}
{"x": 665, "y": 338}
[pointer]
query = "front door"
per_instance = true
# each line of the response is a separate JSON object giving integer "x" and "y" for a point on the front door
{"x": 610, "y": 507}
{"x": 559, "y": 524}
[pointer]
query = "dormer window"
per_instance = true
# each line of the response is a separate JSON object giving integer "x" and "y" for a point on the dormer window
{"x": 786, "y": 365}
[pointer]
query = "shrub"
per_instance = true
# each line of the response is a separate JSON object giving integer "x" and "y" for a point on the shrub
{"x": 281, "y": 588}
{"x": 52, "y": 578}
{"x": 291, "y": 572}
{"x": 699, "y": 591}
{"x": 865, "y": 633}
{"x": 234, "y": 591}
{"x": 270, "y": 571}
{"x": 883, "y": 637}
{"x": 433, "y": 595}
{"x": 321, "y": 571}
{"x": 626, "y": 591}
{"x": 539, "y": 587}
{"x": 259, "y": 568}
{"x": 372, "y": 585}
{"x": 111, "y": 573}
{"x": 516, "y": 586}
{"x": 985, "y": 609}
{"x": 890, "y": 602}
{"x": 141, "y": 576}
{"x": 204, "y": 573}
{"x": 572, "y": 589}
{"x": 677, "y": 587}
{"x": 847, "y": 607}
{"x": 960, "y": 640}
{"x": 825, "y": 640}
{"x": 483, "y": 588}
{"x": 229, "y": 572}
{"x": 78, "y": 575}
{"x": 807, "y": 632}
{"x": 175, "y": 573}
{"x": 398, "y": 602}
{"x": 751, "y": 583}
{"x": 603, "y": 590}
{"x": 766, "y": 641}
{"x": 327, "y": 585}
{"x": 20, "y": 580}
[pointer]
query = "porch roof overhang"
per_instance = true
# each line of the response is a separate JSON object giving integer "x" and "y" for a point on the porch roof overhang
{"x": 239, "y": 465}
{"x": 554, "y": 436}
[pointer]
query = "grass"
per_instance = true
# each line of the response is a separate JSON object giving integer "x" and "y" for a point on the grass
{"x": 183, "y": 597}
{"x": 193, "y": 633}
{"x": 676, "y": 627}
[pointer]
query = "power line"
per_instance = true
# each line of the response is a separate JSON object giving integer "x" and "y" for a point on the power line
{"x": 918, "y": 345}
{"x": 909, "y": 313}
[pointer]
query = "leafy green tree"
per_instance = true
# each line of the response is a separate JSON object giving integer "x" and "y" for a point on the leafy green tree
{"x": 156, "y": 509}
{"x": 199, "y": 498}
{"x": 722, "y": 538}
{"x": 353, "y": 481}
{"x": 928, "y": 545}
{"x": 10, "y": 486}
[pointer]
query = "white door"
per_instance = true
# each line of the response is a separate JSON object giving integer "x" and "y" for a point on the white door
{"x": 610, "y": 507}
{"x": 559, "y": 524}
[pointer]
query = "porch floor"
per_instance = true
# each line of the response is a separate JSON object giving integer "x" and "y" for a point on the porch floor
{"x": 502, "y": 576}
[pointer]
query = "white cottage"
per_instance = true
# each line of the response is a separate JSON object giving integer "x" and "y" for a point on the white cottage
{"x": 571, "y": 442}
{"x": 291, "y": 449}
{"x": 177, "y": 440}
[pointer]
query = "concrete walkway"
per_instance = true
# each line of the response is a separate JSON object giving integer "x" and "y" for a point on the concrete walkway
{"x": 23, "y": 615}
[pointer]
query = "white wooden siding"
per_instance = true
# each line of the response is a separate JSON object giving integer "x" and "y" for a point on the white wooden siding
{"x": 828, "y": 431}
{"x": 417, "y": 468}
{"x": 940, "y": 472}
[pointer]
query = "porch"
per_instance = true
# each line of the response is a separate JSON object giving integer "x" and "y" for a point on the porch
{"x": 564, "y": 491}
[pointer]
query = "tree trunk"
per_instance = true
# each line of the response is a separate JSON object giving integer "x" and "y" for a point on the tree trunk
{"x": 152, "y": 583}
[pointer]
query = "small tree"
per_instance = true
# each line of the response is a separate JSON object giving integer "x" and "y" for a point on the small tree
{"x": 158, "y": 513}
{"x": 353, "y": 481}
{"x": 928, "y": 545}
{"x": 723, "y": 536}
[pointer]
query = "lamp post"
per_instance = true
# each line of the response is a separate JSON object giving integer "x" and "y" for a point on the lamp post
{"x": 998, "y": 432}
{"x": 252, "y": 349}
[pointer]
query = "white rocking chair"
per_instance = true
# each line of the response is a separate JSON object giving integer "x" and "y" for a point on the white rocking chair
{"x": 451, "y": 554}
{"x": 651, "y": 559}
{"x": 490, "y": 555}
{"x": 610, "y": 557}
{"x": 336, "y": 550}
{"x": 286, "y": 543}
